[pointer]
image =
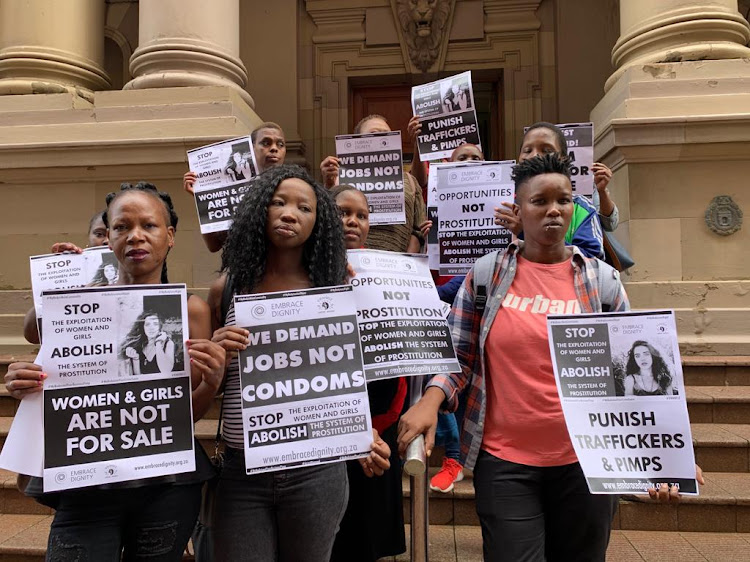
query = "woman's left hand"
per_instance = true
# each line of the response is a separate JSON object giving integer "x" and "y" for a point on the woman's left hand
{"x": 667, "y": 493}
{"x": 209, "y": 358}
{"x": 161, "y": 338}
{"x": 378, "y": 461}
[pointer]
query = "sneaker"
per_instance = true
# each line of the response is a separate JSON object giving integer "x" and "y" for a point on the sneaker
{"x": 450, "y": 472}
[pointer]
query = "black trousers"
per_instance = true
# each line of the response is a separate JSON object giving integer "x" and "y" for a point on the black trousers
{"x": 537, "y": 514}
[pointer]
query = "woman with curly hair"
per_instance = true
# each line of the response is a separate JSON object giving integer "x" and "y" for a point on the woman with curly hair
{"x": 287, "y": 235}
{"x": 646, "y": 373}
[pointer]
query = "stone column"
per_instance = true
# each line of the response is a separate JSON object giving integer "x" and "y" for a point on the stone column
{"x": 189, "y": 43}
{"x": 52, "y": 47}
{"x": 676, "y": 30}
{"x": 674, "y": 127}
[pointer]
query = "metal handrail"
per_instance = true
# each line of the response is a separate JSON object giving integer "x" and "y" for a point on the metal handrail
{"x": 416, "y": 467}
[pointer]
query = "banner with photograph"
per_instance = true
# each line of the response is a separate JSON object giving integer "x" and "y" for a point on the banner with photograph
{"x": 402, "y": 320}
{"x": 580, "y": 140}
{"x": 97, "y": 265}
{"x": 467, "y": 195}
{"x": 447, "y": 113}
{"x": 304, "y": 394}
{"x": 225, "y": 171}
{"x": 117, "y": 401}
{"x": 373, "y": 163}
{"x": 619, "y": 378}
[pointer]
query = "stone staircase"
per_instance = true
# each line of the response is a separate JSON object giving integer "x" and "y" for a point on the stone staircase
{"x": 712, "y": 526}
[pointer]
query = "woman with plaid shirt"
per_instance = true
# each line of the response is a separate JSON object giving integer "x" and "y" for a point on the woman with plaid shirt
{"x": 531, "y": 494}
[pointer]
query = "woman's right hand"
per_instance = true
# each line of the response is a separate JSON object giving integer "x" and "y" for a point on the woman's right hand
{"x": 330, "y": 170}
{"x": 131, "y": 353}
{"x": 231, "y": 338}
{"x": 420, "y": 419}
{"x": 505, "y": 217}
{"x": 24, "y": 378}
{"x": 60, "y": 247}
{"x": 188, "y": 181}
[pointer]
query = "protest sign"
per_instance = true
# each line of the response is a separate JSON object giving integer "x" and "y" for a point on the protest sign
{"x": 619, "y": 378}
{"x": 97, "y": 265}
{"x": 117, "y": 401}
{"x": 304, "y": 395}
{"x": 433, "y": 247}
{"x": 224, "y": 171}
{"x": 467, "y": 195}
{"x": 580, "y": 140}
{"x": 447, "y": 113}
{"x": 401, "y": 317}
{"x": 373, "y": 163}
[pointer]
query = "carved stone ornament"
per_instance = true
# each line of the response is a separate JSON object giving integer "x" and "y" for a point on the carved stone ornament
{"x": 424, "y": 24}
{"x": 723, "y": 215}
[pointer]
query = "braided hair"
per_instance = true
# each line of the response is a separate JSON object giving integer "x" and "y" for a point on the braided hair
{"x": 246, "y": 249}
{"x": 150, "y": 189}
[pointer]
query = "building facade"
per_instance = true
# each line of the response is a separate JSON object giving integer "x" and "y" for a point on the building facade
{"x": 93, "y": 93}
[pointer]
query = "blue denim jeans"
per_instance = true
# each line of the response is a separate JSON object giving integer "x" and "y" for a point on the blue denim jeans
{"x": 147, "y": 523}
{"x": 284, "y": 516}
{"x": 447, "y": 435}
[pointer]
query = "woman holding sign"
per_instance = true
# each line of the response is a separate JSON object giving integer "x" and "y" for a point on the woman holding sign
{"x": 148, "y": 518}
{"x": 588, "y": 219}
{"x": 373, "y": 525}
{"x": 532, "y": 498}
{"x": 286, "y": 236}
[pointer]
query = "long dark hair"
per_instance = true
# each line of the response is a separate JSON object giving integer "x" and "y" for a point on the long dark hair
{"x": 150, "y": 189}
{"x": 246, "y": 249}
{"x": 658, "y": 366}
{"x": 137, "y": 335}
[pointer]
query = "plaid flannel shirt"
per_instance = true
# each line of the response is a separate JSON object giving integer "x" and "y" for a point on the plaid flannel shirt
{"x": 469, "y": 328}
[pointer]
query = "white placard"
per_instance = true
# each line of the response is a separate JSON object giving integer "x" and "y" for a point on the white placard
{"x": 304, "y": 394}
{"x": 401, "y": 317}
{"x": 447, "y": 113}
{"x": 117, "y": 402}
{"x": 619, "y": 378}
{"x": 373, "y": 163}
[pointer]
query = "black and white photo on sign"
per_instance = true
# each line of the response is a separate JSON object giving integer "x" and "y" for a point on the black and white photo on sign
{"x": 644, "y": 367}
{"x": 456, "y": 94}
{"x": 151, "y": 339}
{"x": 105, "y": 268}
{"x": 239, "y": 165}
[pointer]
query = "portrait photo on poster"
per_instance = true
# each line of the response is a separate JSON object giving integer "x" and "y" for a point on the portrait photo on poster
{"x": 239, "y": 166}
{"x": 645, "y": 367}
{"x": 151, "y": 338}
{"x": 456, "y": 94}
{"x": 107, "y": 272}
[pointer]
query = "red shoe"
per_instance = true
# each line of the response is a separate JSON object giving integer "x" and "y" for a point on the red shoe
{"x": 450, "y": 472}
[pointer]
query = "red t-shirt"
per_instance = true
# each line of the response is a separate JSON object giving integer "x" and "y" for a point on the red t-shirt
{"x": 524, "y": 421}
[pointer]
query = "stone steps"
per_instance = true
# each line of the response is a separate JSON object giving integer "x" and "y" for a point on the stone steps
{"x": 23, "y": 538}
